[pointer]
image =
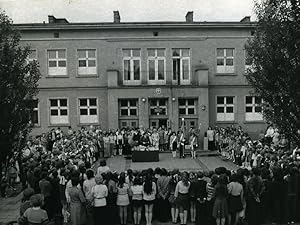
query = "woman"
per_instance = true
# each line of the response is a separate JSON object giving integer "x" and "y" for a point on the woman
{"x": 149, "y": 192}
{"x": 103, "y": 168}
{"x": 193, "y": 194}
{"x": 172, "y": 186}
{"x": 77, "y": 202}
{"x": 162, "y": 194}
{"x": 220, "y": 209}
{"x": 99, "y": 193}
{"x": 123, "y": 198}
{"x": 87, "y": 190}
{"x": 137, "y": 199}
{"x": 111, "y": 198}
{"x": 106, "y": 142}
{"x": 211, "y": 138}
{"x": 235, "y": 191}
{"x": 27, "y": 193}
{"x": 112, "y": 144}
{"x": 173, "y": 144}
{"x": 193, "y": 144}
{"x": 182, "y": 197}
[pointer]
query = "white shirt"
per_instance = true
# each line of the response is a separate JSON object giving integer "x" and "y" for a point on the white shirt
{"x": 150, "y": 197}
{"x": 137, "y": 192}
{"x": 102, "y": 169}
{"x": 99, "y": 193}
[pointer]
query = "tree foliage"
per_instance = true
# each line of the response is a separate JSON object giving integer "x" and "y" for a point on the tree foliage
{"x": 18, "y": 85}
{"x": 275, "y": 53}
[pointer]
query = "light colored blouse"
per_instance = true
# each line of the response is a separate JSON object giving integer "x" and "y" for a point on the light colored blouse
{"x": 137, "y": 192}
{"x": 235, "y": 188}
{"x": 99, "y": 193}
{"x": 151, "y": 196}
{"x": 181, "y": 188}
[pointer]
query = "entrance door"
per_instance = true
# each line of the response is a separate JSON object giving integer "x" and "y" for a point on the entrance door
{"x": 162, "y": 123}
{"x": 188, "y": 123}
{"x": 154, "y": 123}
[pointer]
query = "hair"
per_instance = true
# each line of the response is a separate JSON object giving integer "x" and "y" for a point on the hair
{"x": 137, "y": 180}
{"x": 200, "y": 174}
{"x": 185, "y": 179}
{"x": 75, "y": 181}
{"x": 102, "y": 162}
{"x": 148, "y": 184}
{"x": 36, "y": 200}
{"x": 214, "y": 179}
{"x": 89, "y": 174}
{"x": 130, "y": 174}
{"x": 164, "y": 172}
{"x": 121, "y": 180}
{"x": 99, "y": 179}
{"x": 234, "y": 177}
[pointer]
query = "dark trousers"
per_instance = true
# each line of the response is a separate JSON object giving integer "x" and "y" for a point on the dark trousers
{"x": 181, "y": 151}
{"x": 211, "y": 145}
{"x": 163, "y": 212}
{"x": 254, "y": 210}
{"x": 100, "y": 216}
{"x": 201, "y": 213}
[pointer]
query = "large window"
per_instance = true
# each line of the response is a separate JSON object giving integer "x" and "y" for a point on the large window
{"x": 253, "y": 108}
{"x": 88, "y": 110}
{"x": 59, "y": 111}
{"x": 128, "y": 107}
{"x": 248, "y": 63}
{"x": 156, "y": 66}
{"x": 158, "y": 106}
{"x": 187, "y": 106}
{"x": 57, "y": 62}
{"x": 225, "y": 60}
{"x": 225, "y": 108}
{"x": 87, "y": 62}
{"x": 32, "y": 56}
{"x": 181, "y": 65}
{"x": 132, "y": 66}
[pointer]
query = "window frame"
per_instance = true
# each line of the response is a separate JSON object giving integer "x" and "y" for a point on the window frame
{"x": 158, "y": 105}
{"x": 247, "y": 67}
{"x": 156, "y": 59}
{"x": 181, "y": 59}
{"x": 131, "y": 59}
{"x": 62, "y": 72}
{"x": 186, "y": 106}
{"x": 253, "y": 113}
{"x": 49, "y": 110}
{"x": 225, "y": 105}
{"x": 88, "y": 107}
{"x": 87, "y": 70}
{"x": 225, "y": 69}
{"x": 128, "y": 107}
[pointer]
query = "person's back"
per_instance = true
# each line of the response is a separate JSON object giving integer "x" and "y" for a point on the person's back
{"x": 36, "y": 216}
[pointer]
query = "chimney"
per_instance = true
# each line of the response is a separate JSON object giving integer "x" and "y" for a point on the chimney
{"x": 246, "y": 19}
{"x": 117, "y": 18}
{"x": 51, "y": 19}
{"x": 189, "y": 17}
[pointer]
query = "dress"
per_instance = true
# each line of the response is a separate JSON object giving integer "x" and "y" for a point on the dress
{"x": 220, "y": 208}
{"x": 123, "y": 198}
{"x": 76, "y": 208}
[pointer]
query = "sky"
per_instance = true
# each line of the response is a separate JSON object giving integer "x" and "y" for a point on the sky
{"x": 37, "y": 11}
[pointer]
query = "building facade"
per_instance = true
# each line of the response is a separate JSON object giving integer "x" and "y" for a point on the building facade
{"x": 173, "y": 74}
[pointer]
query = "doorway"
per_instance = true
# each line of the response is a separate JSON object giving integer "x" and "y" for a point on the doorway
{"x": 156, "y": 123}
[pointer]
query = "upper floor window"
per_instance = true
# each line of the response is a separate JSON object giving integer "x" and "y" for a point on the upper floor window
{"x": 32, "y": 56}
{"x": 156, "y": 66}
{"x": 59, "y": 111}
{"x": 253, "y": 108}
{"x": 225, "y": 60}
{"x": 57, "y": 62}
{"x": 128, "y": 107}
{"x": 132, "y": 66}
{"x": 248, "y": 62}
{"x": 181, "y": 65}
{"x": 88, "y": 110}
{"x": 34, "y": 117}
{"x": 158, "y": 106}
{"x": 225, "y": 108}
{"x": 87, "y": 62}
{"x": 187, "y": 106}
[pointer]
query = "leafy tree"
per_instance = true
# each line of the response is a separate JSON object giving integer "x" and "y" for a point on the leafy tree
{"x": 18, "y": 85}
{"x": 275, "y": 53}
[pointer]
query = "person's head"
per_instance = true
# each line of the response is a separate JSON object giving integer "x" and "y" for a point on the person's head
{"x": 121, "y": 179}
{"x": 89, "y": 174}
{"x": 36, "y": 200}
{"x": 75, "y": 181}
{"x": 200, "y": 175}
{"x": 214, "y": 179}
{"x": 27, "y": 193}
{"x": 103, "y": 162}
{"x": 99, "y": 179}
{"x": 185, "y": 178}
{"x": 137, "y": 180}
{"x": 163, "y": 172}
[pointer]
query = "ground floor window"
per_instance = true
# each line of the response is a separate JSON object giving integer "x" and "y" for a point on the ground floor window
{"x": 59, "y": 111}
{"x": 253, "y": 109}
{"x": 123, "y": 123}
{"x": 225, "y": 108}
{"x": 88, "y": 110}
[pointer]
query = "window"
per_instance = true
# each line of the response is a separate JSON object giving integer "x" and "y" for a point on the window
{"x": 57, "y": 62}
{"x": 158, "y": 106}
{"x": 132, "y": 66}
{"x": 248, "y": 63}
{"x": 32, "y": 56}
{"x": 128, "y": 107}
{"x": 35, "y": 113}
{"x": 253, "y": 108}
{"x": 88, "y": 110}
{"x": 225, "y": 108}
{"x": 156, "y": 66}
{"x": 87, "y": 62}
{"x": 225, "y": 60}
{"x": 181, "y": 65}
{"x": 59, "y": 111}
{"x": 187, "y": 106}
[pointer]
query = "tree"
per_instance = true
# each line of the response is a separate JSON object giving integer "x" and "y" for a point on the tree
{"x": 275, "y": 53}
{"x": 18, "y": 85}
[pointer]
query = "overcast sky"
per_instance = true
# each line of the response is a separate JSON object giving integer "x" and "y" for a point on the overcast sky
{"x": 28, "y": 11}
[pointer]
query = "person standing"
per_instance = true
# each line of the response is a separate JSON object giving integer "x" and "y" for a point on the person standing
{"x": 106, "y": 142}
{"x": 181, "y": 144}
{"x": 149, "y": 193}
{"x": 182, "y": 197}
{"x": 87, "y": 190}
{"x": 201, "y": 197}
{"x": 123, "y": 198}
{"x": 173, "y": 144}
{"x": 220, "y": 207}
{"x": 193, "y": 144}
{"x": 137, "y": 199}
{"x": 162, "y": 193}
{"x": 211, "y": 138}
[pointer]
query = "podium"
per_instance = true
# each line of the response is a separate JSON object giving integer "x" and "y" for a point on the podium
{"x": 145, "y": 155}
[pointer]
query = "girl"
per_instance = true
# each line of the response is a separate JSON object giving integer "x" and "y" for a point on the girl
{"x": 182, "y": 197}
{"x": 137, "y": 199}
{"x": 193, "y": 143}
{"x": 173, "y": 144}
{"x": 149, "y": 192}
{"x": 123, "y": 198}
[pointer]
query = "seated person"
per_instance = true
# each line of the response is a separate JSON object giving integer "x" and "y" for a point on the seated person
{"x": 26, "y": 204}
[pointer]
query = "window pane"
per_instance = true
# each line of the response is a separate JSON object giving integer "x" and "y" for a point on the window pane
{"x": 83, "y": 112}
{"x": 257, "y": 109}
{"x": 132, "y": 102}
{"x": 152, "y": 102}
{"x": 124, "y": 103}
{"x": 62, "y": 63}
{"x": 83, "y": 102}
{"x": 93, "y": 102}
{"x": 136, "y": 64}
{"x": 229, "y": 100}
{"x": 229, "y": 52}
{"x": 81, "y": 54}
{"x": 35, "y": 103}
{"x": 136, "y": 52}
{"x": 191, "y": 101}
{"x": 182, "y": 111}
{"x": 258, "y": 100}
{"x": 161, "y": 66}
{"x": 163, "y": 111}
{"x": 151, "y": 52}
{"x": 124, "y": 124}
{"x": 124, "y": 112}
{"x": 133, "y": 124}
{"x": 92, "y": 54}
{"x": 220, "y": 109}
{"x": 32, "y": 54}
{"x": 176, "y": 68}
{"x": 82, "y": 63}
{"x": 175, "y": 52}
{"x": 249, "y": 109}
{"x": 133, "y": 112}
{"x": 191, "y": 111}
{"x": 162, "y": 102}
{"x": 229, "y": 62}
{"x": 220, "y": 52}
{"x": 34, "y": 118}
{"x": 93, "y": 111}
{"x": 220, "y": 100}
{"x": 126, "y": 70}
{"x": 220, "y": 62}
{"x": 181, "y": 102}
{"x": 63, "y": 102}
{"x": 185, "y": 52}
{"x": 61, "y": 54}
{"x": 63, "y": 112}
{"x": 248, "y": 99}
{"x": 152, "y": 111}
{"x": 186, "y": 69}
{"x": 229, "y": 109}
{"x": 151, "y": 70}
{"x": 53, "y": 102}
{"x": 92, "y": 63}
{"x": 54, "y": 112}
{"x": 52, "y": 54}
{"x": 160, "y": 52}
{"x": 126, "y": 52}
{"x": 52, "y": 64}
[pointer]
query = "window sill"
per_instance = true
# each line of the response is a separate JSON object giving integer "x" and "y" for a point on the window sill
{"x": 227, "y": 122}
{"x": 59, "y": 125}
{"x": 255, "y": 122}
{"x": 87, "y": 124}
{"x": 87, "y": 76}
{"x": 226, "y": 74}
{"x": 57, "y": 76}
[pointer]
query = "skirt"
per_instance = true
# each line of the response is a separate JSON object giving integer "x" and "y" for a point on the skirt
{"x": 182, "y": 201}
{"x": 220, "y": 208}
{"x": 122, "y": 200}
{"x": 235, "y": 204}
{"x": 137, "y": 203}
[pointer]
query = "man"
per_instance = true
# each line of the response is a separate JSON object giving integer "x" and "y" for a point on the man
{"x": 201, "y": 196}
